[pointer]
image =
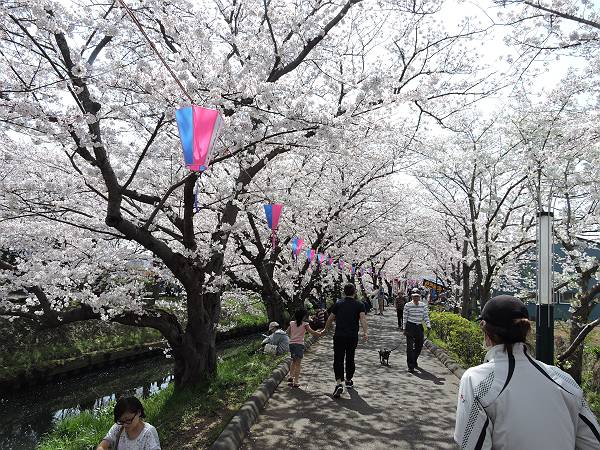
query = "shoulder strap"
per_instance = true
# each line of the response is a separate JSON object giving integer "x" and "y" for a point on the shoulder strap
{"x": 119, "y": 433}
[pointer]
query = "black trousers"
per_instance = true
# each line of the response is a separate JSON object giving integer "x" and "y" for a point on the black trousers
{"x": 415, "y": 336}
{"x": 399, "y": 313}
{"x": 344, "y": 348}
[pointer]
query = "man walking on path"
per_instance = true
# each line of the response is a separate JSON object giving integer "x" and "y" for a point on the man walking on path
{"x": 414, "y": 314}
{"x": 347, "y": 313}
{"x": 400, "y": 309}
{"x": 380, "y": 299}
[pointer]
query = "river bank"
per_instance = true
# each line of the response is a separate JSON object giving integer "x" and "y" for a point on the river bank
{"x": 188, "y": 419}
{"x": 27, "y": 415}
{"x": 61, "y": 369}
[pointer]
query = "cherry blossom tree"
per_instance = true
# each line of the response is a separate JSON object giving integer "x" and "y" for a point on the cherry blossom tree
{"x": 479, "y": 191}
{"x": 560, "y": 148}
{"x": 95, "y": 200}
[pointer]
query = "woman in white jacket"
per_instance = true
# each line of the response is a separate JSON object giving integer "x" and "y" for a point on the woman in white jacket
{"x": 512, "y": 401}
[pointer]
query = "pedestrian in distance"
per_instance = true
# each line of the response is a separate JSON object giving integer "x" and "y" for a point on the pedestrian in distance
{"x": 415, "y": 312}
{"x": 296, "y": 330}
{"x": 318, "y": 320}
{"x": 400, "y": 301}
{"x": 130, "y": 431}
{"x": 512, "y": 401}
{"x": 347, "y": 314}
{"x": 380, "y": 299}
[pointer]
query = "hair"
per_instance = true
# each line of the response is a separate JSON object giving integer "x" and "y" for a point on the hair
{"x": 299, "y": 316}
{"x": 518, "y": 332}
{"x": 130, "y": 405}
{"x": 349, "y": 290}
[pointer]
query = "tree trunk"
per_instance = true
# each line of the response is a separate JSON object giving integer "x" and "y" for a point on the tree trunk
{"x": 294, "y": 305}
{"x": 578, "y": 322}
{"x": 275, "y": 308}
{"x": 337, "y": 287}
{"x": 466, "y": 310}
{"x": 196, "y": 356}
{"x": 575, "y": 366}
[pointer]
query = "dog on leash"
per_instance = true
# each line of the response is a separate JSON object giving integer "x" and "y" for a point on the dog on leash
{"x": 384, "y": 356}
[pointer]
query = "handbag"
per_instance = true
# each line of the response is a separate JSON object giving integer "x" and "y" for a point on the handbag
{"x": 270, "y": 349}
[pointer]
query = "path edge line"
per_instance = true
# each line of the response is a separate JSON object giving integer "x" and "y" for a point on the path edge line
{"x": 445, "y": 359}
{"x": 239, "y": 426}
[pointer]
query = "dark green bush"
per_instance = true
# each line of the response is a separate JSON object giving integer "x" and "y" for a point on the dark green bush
{"x": 464, "y": 339}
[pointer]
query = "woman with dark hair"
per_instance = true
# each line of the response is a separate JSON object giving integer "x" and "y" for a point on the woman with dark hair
{"x": 130, "y": 432}
{"x": 512, "y": 401}
{"x": 297, "y": 330}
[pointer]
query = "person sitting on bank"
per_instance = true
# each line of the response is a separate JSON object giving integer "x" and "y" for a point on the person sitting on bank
{"x": 278, "y": 338}
{"x": 130, "y": 432}
{"x": 513, "y": 401}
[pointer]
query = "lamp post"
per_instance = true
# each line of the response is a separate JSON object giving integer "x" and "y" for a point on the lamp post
{"x": 544, "y": 332}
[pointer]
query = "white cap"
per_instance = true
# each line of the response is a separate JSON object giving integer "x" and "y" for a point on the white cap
{"x": 273, "y": 325}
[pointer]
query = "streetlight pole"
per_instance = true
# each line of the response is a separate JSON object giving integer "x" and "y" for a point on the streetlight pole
{"x": 544, "y": 331}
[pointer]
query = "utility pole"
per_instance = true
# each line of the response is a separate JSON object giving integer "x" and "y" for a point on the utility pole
{"x": 544, "y": 331}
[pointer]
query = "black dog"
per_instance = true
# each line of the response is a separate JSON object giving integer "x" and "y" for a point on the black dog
{"x": 384, "y": 356}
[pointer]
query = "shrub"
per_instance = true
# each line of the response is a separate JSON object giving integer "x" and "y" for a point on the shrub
{"x": 460, "y": 336}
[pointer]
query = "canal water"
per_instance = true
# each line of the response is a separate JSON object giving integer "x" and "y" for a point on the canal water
{"x": 25, "y": 416}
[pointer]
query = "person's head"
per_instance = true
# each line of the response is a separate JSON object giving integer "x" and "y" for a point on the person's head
{"x": 349, "y": 290}
{"x": 505, "y": 320}
{"x": 273, "y": 327}
{"x": 415, "y": 295}
{"x": 128, "y": 412}
{"x": 300, "y": 315}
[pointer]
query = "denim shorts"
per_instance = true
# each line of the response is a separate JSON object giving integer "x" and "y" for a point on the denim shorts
{"x": 297, "y": 351}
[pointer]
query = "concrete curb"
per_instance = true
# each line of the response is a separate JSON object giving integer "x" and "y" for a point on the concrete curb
{"x": 445, "y": 359}
{"x": 238, "y": 428}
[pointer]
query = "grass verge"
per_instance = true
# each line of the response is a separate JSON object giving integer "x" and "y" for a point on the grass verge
{"x": 186, "y": 419}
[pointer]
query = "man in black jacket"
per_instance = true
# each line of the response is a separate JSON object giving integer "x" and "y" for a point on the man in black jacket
{"x": 347, "y": 313}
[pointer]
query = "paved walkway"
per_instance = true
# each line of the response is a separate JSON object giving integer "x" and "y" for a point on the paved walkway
{"x": 389, "y": 408}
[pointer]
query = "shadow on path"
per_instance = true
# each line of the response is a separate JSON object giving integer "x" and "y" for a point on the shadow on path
{"x": 389, "y": 408}
{"x": 425, "y": 375}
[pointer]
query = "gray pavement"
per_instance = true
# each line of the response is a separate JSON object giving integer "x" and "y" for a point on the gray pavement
{"x": 389, "y": 408}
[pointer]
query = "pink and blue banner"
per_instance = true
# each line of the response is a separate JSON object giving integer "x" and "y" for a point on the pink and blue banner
{"x": 310, "y": 254}
{"x": 273, "y": 213}
{"x": 297, "y": 247}
{"x": 198, "y": 131}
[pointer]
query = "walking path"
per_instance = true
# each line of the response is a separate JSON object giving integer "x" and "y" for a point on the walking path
{"x": 389, "y": 408}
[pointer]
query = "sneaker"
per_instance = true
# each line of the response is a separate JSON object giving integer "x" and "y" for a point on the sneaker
{"x": 349, "y": 383}
{"x": 411, "y": 369}
{"x": 338, "y": 391}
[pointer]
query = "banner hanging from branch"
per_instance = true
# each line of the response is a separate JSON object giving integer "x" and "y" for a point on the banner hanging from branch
{"x": 297, "y": 247}
{"x": 273, "y": 212}
{"x": 198, "y": 131}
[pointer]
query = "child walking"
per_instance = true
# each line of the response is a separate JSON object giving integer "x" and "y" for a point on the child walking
{"x": 297, "y": 330}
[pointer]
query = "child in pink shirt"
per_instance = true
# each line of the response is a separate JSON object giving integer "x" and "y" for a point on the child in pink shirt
{"x": 297, "y": 330}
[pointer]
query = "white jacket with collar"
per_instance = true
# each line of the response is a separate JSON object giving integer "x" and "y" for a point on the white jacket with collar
{"x": 514, "y": 402}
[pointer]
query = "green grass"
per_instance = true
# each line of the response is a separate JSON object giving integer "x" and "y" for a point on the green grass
{"x": 28, "y": 355}
{"x": 251, "y": 314}
{"x": 189, "y": 418}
